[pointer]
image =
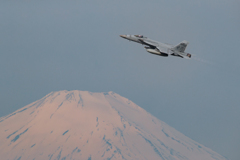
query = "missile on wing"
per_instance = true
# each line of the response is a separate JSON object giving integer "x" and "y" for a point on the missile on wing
{"x": 155, "y": 51}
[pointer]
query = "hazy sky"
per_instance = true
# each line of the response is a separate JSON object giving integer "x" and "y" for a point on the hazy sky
{"x": 75, "y": 45}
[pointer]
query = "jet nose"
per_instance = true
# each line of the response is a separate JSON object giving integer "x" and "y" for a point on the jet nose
{"x": 123, "y": 36}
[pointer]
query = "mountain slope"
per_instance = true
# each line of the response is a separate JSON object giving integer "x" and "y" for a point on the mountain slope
{"x": 88, "y": 126}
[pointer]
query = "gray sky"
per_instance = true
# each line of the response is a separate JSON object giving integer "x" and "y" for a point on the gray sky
{"x": 75, "y": 45}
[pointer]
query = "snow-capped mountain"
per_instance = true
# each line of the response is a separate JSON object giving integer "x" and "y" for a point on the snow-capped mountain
{"x": 81, "y": 125}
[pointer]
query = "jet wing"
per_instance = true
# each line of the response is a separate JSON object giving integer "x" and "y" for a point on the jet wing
{"x": 163, "y": 50}
{"x": 151, "y": 44}
{"x": 155, "y": 45}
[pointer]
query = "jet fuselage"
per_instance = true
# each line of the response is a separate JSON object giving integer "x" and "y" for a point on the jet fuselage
{"x": 159, "y": 48}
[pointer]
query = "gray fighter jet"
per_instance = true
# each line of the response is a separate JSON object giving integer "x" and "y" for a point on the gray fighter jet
{"x": 159, "y": 48}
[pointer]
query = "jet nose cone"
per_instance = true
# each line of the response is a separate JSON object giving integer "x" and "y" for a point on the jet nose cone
{"x": 123, "y": 36}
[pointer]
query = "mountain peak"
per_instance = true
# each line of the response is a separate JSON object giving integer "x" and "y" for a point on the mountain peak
{"x": 87, "y": 125}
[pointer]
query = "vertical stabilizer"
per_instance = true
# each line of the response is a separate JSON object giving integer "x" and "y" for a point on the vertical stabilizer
{"x": 181, "y": 46}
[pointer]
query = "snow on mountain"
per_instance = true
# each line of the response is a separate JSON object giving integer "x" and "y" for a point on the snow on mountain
{"x": 69, "y": 125}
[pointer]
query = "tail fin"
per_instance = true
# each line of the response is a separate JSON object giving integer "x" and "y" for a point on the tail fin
{"x": 181, "y": 46}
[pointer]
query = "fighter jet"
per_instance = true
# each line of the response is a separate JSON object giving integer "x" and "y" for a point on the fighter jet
{"x": 159, "y": 48}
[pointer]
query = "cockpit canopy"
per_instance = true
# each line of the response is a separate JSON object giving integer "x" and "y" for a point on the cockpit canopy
{"x": 139, "y": 36}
